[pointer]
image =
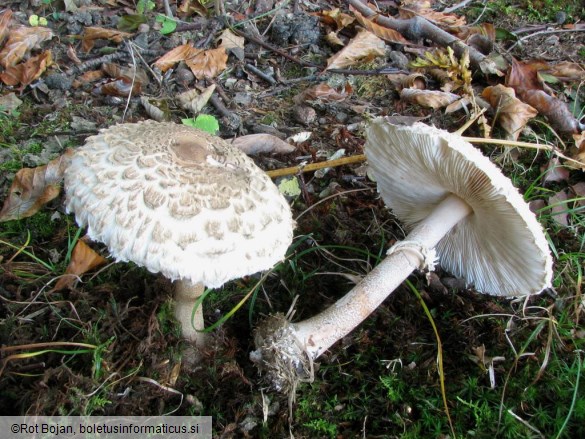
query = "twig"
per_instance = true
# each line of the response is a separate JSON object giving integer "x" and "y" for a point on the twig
{"x": 260, "y": 74}
{"x": 270, "y": 47}
{"x": 457, "y": 6}
{"x": 314, "y": 166}
{"x": 543, "y": 32}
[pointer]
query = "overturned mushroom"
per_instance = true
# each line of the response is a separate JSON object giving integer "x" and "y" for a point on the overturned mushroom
{"x": 457, "y": 205}
{"x": 181, "y": 202}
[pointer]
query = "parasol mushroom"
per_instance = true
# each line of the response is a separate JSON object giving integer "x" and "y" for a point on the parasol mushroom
{"x": 181, "y": 202}
{"x": 457, "y": 205}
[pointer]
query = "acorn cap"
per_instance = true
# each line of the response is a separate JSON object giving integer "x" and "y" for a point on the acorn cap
{"x": 178, "y": 201}
{"x": 500, "y": 247}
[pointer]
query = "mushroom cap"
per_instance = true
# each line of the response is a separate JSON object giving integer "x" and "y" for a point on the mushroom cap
{"x": 500, "y": 247}
{"x": 178, "y": 201}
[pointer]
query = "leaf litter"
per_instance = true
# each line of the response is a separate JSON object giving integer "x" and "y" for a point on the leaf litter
{"x": 343, "y": 82}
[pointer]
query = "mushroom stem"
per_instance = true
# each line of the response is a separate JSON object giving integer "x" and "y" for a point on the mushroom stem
{"x": 315, "y": 335}
{"x": 186, "y": 294}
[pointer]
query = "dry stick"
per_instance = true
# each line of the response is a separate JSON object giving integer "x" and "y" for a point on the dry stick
{"x": 314, "y": 166}
{"x": 361, "y": 157}
{"x": 272, "y": 48}
{"x": 418, "y": 27}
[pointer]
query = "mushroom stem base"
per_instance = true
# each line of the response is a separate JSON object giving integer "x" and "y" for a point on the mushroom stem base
{"x": 186, "y": 294}
{"x": 294, "y": 346}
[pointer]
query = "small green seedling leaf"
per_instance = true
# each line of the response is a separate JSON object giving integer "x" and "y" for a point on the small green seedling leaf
{"x": 168, "y": 24}
{"x": 144, "y": 6}
{"x": 289, "y": 187}
{"x": 129, "y": 23}
{"x": 204, "y": 122}
{"x": 35, "y": 20}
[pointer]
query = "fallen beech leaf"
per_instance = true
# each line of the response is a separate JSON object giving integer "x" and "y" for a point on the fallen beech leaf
{"x": 83, "y": 259}
{"x": 558, "y": 208}
{"x": 190, "y": 7}
{"x": 32, "y": 188}
{"x": 441, "y": 19}
{"x": 228, "y": 40}
{"x": 523, "y": 77}
{"x": 194, "y": 100}
{"x": 333, "y": 39}
{"x": 579, "y": 190}
{"x": 554, "y": 171}
{"x": 153, "y": 111}
{"x": 122, "y": 87}
{"x": 390, "y": 35}
{"x": 323, "y": 92}
{"x": 208, "y": 64}
{"x": 580, "y": 144}
{"x": 335, "y": 18}
{"x": 179, "y": 53}
{"x": 428, "y": 98}
{"x": 92, "y": 33}
{"x": 5, "y": 19}
{"x": 21, "y": 40}
{"x": 512, "y": 113}
{"x": 262, "y": 143}
{"x": 27, "y": 72}
{"x": 363, "y": 47}
{"x": 555, "y": 110}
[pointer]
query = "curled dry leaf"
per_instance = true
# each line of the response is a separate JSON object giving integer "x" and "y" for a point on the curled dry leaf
{"x": 323, "y": 92}
{"x": 580, "y": 144}
{"x": 22, "y": 40}
{"x": 262, "y": 143}
{"x": 512, "y": 113}
{"x": 558, "y": 208}
{"x": 523, "y": 77}
{"x": 92, "y": 33}
{"x": 194, "y": 101}
{"x": 32, "y": 188}
{"x": 554, "y": 171}
{"x": 335, "y": 18}
{"x": 208, "y": 64}
{"x": 363, "y": 47}
{"x": 228, "y": 40}
{"x": 5, "y": 21}
{"x": 424, "y": 9}
{"x": 27, "y": 72}
{"x": 178, "y": 54}
{"x": 428, "y": 98}
{"x": 83, "y": 259}
{"x": 153, "y": 111}
{"x": 390, "y": 35}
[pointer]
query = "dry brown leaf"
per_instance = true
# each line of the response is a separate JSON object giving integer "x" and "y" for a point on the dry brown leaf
{"x": 21, "y": 40}
{"x": 333, "y": 39}
{"x": 32, "y": 188}
{"x": 178, "y": 54}
{"x": 153, "y": 110}
{"x": 424, "y": 9}
{"x": 579, "y": 191}
{"x": 83, "y": 259}
{"x": 194, "y": 100}
{"x": 523, "y": 77}
{"x": 190, "y": 7}
{"x": 567, "y": 71}
{"x": 5, "y": 21}
{"x": 323, "y": 92}
{"x": 428, "y": 98}
{"x": 229, "y": 40}
{"x": 558, "y": 207}
{"x": 512, "y": 113}
{"x": 27, "y": 72}
{"x": 92, "y": 33}
{"x": 390, "y": 35}
{"x": 335, "y": 18}
{"x": 580, "y": 145}
{"x": 207, "y": 64}
{"x": 363, "y": 47}
{"x": 554, "y": 171}
{"x": 262, "y": 143}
